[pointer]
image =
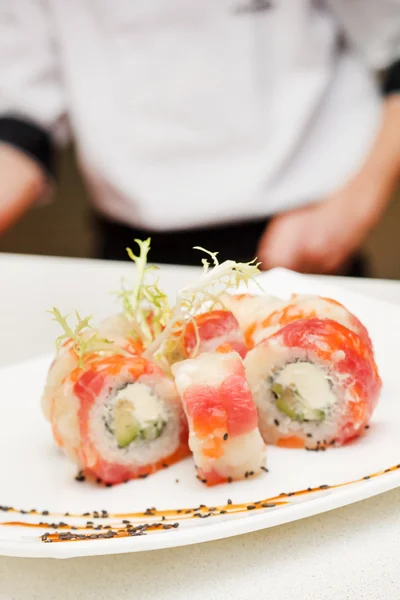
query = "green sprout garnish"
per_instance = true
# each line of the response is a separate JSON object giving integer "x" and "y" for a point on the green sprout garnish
{"x": 86, "y": 340}
{"x": 205, "y": 295}
{"x": 145, "y": 306}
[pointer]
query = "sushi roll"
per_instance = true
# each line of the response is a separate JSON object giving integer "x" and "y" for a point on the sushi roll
{"x": 118, "y": 418}
{"x": 315, "y": 384}
{"x": 222, "y": 417}
{"x": 249, "y": 310}
{"x": 304, "y": 307}
{"x": 212, "y": 329}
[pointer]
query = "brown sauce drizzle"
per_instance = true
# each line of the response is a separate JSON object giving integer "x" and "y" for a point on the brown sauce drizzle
{"x": 157, "y": 519}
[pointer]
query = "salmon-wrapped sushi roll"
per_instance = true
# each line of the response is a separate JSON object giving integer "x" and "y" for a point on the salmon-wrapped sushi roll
{"x": 222, "y": 417}
{"x": 119, "y": 418}
{"x": 304, "y": 307}
{"x": 315, "y": 383}
{"x": 212, "y": 329}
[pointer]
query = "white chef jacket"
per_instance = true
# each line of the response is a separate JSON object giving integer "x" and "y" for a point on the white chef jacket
{"x": 188, "y": 112}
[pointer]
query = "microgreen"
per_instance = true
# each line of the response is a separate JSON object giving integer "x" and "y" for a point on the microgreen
{"x": 86, "y": 340}
{"x": 216, "y": 279}
{"x": 145, "y": 305}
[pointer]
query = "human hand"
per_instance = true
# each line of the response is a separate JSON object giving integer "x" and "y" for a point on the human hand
{"x": 22, "y": 182}
{"x": 320, "y": 238}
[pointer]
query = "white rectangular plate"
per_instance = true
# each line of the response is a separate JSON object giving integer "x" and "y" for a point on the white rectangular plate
{"x": 36, "y": 476}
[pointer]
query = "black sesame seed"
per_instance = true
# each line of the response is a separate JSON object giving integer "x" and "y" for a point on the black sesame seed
{"x": 250, "y": 507}
{"x": 108, "y": 485}
{"x": 223, "y": 512}
{"x": 309, "y": 489}
{"x": 229, "y": 501}
{"x": 229, "y": 479}
{"x": 309, "y": 435}
{"x": 80, "y": 477}
{"x": 164, "y": 465}
{"x": 333, "y": 442}
{"x": 367, "y": 477}
{"x": 175, "y": 525}
{"x": 143, "y": 476}
{"x": 251, "y": 473}
{"x": 246, "y": 474}
{"x": 268, "y": 505}
{"x": 225, "y": 436}
{"x": 163, "y": 518}
{"x": 109, "y": 534}
{"x": 176, "y": 480}
{"x": 276, "y": 422}
{"x": 291, "y": 493}
{"x": 397, "y": 466}
{"x": 387, "y": 470}
{"x": 83, "y": 514}
{"x": 265, "y": 469}
{"x": 98, "y": 480}
{"x": 367, "y": 427}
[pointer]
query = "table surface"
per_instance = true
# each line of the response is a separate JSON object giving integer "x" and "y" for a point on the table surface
{"x": 350, "y": 553}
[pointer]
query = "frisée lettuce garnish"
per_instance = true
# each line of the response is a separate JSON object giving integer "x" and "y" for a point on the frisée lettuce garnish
{"x": 145, "y": 305}
{"x": 204, "y": 295}
{"x": 152, "y": 321}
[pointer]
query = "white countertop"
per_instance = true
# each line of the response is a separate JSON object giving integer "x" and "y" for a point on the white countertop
{"x": 350, "y": 553}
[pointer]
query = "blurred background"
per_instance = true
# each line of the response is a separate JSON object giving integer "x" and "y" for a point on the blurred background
{"x": 63, "y": 227}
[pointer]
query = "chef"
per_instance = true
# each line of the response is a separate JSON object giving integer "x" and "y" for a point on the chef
{"x": 244, "y": 126}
